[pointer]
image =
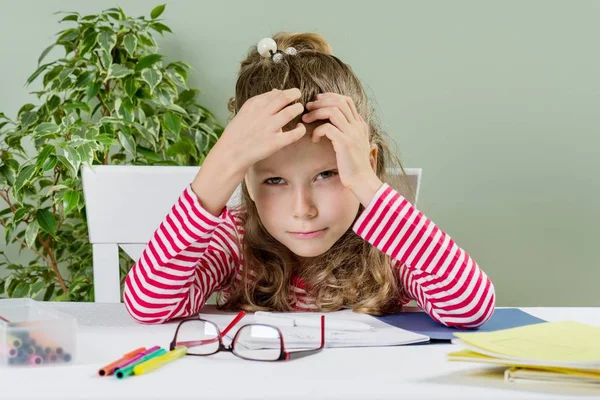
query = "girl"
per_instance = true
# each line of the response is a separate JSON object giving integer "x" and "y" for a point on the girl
{"x": 317, "y": 228}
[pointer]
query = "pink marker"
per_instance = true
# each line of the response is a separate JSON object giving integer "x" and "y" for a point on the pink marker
{"x": 35, "y": 359}
{"x": 137, "y": 358}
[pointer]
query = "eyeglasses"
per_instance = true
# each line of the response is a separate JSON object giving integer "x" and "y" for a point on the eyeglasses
{"x": 258, "y": 342}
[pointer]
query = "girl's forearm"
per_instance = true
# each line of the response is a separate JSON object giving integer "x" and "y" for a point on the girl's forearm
{"x": 217, "y": 179}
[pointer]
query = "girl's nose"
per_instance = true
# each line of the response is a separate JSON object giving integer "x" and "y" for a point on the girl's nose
{"x": 304, "y": 205}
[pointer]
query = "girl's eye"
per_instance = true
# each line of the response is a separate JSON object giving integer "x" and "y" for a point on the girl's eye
{"x": 328, "y": 174}
{"x": 274, "y": 181}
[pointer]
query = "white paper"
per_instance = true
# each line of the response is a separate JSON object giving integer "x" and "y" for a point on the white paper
{"x": 302, "y": 337}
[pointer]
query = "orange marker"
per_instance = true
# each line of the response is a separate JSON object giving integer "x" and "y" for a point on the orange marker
{"x": 110, "y": 368}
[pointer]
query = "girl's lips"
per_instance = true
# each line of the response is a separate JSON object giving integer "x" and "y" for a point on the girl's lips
{"x": 308, "y": 235}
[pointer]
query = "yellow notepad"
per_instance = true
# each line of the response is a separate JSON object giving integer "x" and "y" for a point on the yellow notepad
{"x": 564, "y": 347}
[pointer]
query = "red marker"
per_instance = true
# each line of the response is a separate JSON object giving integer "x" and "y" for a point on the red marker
{"x": 110, "y": 368}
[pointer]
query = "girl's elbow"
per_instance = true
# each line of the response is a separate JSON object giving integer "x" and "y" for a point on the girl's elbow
{"x": 479, "y": 315}
{"x": 145, "y": 320}
{"x": 470, "y": 316}
{"x": 139, "y": 315}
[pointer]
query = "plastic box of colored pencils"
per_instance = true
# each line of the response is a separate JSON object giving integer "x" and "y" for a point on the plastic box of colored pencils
{"x": 33, "y": 334}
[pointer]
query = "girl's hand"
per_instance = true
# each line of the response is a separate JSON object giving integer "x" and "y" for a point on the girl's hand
{"x": 349, "y": 134}
{"x": 256, "y": 131}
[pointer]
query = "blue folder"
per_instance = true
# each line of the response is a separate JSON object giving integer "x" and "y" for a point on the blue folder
{"x": 420, "y": 322}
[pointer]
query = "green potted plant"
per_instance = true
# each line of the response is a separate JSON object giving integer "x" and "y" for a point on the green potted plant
{"x": 111, "y": 99}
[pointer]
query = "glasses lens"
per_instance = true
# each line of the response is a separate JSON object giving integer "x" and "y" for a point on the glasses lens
{"x": 258, "y": 342}
{"x": 200, "y": 337}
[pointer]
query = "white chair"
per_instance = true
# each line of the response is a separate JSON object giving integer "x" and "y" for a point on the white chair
{"x": 125, "y": 205}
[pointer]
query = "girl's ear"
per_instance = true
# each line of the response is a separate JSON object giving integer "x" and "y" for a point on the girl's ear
{"x": 249, "y": 187}
{"x": 373, "y": 157}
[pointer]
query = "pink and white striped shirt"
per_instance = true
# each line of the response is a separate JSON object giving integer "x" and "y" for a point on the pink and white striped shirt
{"x": 193, "y": 254}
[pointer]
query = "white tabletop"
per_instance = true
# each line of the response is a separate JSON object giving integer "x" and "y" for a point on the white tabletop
{"x": 106, "y": 332}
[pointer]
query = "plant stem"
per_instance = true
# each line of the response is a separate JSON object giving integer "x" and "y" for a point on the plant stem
{"x": 4, "y": 195}
{"x": 107, "y": 88}
{"x": 105, "y": 110}
{"x": 52, "y": 199}
{"x": 53, "y": 264}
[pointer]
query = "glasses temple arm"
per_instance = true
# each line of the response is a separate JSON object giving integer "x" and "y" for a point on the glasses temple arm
{"x": 293, "y": 355}
{"x": 233, "y": 323}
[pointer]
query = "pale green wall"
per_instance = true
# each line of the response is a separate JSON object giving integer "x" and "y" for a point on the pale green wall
{"x": 496, "y": 101}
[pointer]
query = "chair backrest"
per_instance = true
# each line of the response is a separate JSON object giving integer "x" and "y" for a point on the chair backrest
{"x": 125, "y": 205}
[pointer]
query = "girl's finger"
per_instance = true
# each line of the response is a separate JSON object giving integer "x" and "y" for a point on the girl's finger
{"x": 329, "y": 130}
{"x": 352, "y": 107}
{"x": 263, "y": 99}
{"x": 288, "y": 137}
{"x": 365, "y": 125}
{"x": 332, "y": 102}
{"x": 283, "y": 117}
{"x": 282, "y": 98}
{"x": 333, "y": 114}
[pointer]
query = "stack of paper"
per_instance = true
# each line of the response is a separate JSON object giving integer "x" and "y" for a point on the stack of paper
{"x": 516, "y": 374}
{"x": 567, "y": 351}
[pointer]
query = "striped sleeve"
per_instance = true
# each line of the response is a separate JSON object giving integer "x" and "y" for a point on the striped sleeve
{"x": 190, "y": 255}
{"x": 444, "y": 280}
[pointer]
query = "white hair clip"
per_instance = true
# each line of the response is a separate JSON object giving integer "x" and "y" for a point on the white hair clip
{"x": 268, "y": 48}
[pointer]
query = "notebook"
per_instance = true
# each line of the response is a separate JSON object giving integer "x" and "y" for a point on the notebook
{"x": 303, "y": 337}
{"x": 420, "y": 322}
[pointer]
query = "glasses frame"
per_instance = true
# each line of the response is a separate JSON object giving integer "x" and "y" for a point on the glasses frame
{"x": 284, "y": 355}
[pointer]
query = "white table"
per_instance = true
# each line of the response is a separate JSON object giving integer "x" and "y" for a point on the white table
{"x": 106, "y": 332}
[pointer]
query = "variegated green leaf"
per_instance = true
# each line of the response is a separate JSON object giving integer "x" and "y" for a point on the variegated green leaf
{"x": 152, "y": 78}
{"x": 24, "y": 176}
{"x": 31, "y": 233}
{"x": 72, "y": 157}
{"x": 46, "y": 128}
{"x": 43, "y": 155}
{"x": 130, "y": 43}
{"x": 127, "y": 142}
{"x": 107, "y": 41}
{"x": 118, "y": 71}
{"x": 177, "y": 79}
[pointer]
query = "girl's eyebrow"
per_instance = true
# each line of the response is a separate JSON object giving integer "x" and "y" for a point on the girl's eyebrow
{"x": 324, "y": 167}
{"x": 265, "y": 171}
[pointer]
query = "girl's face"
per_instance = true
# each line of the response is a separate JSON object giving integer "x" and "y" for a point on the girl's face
{"x": 300, "y": 198}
